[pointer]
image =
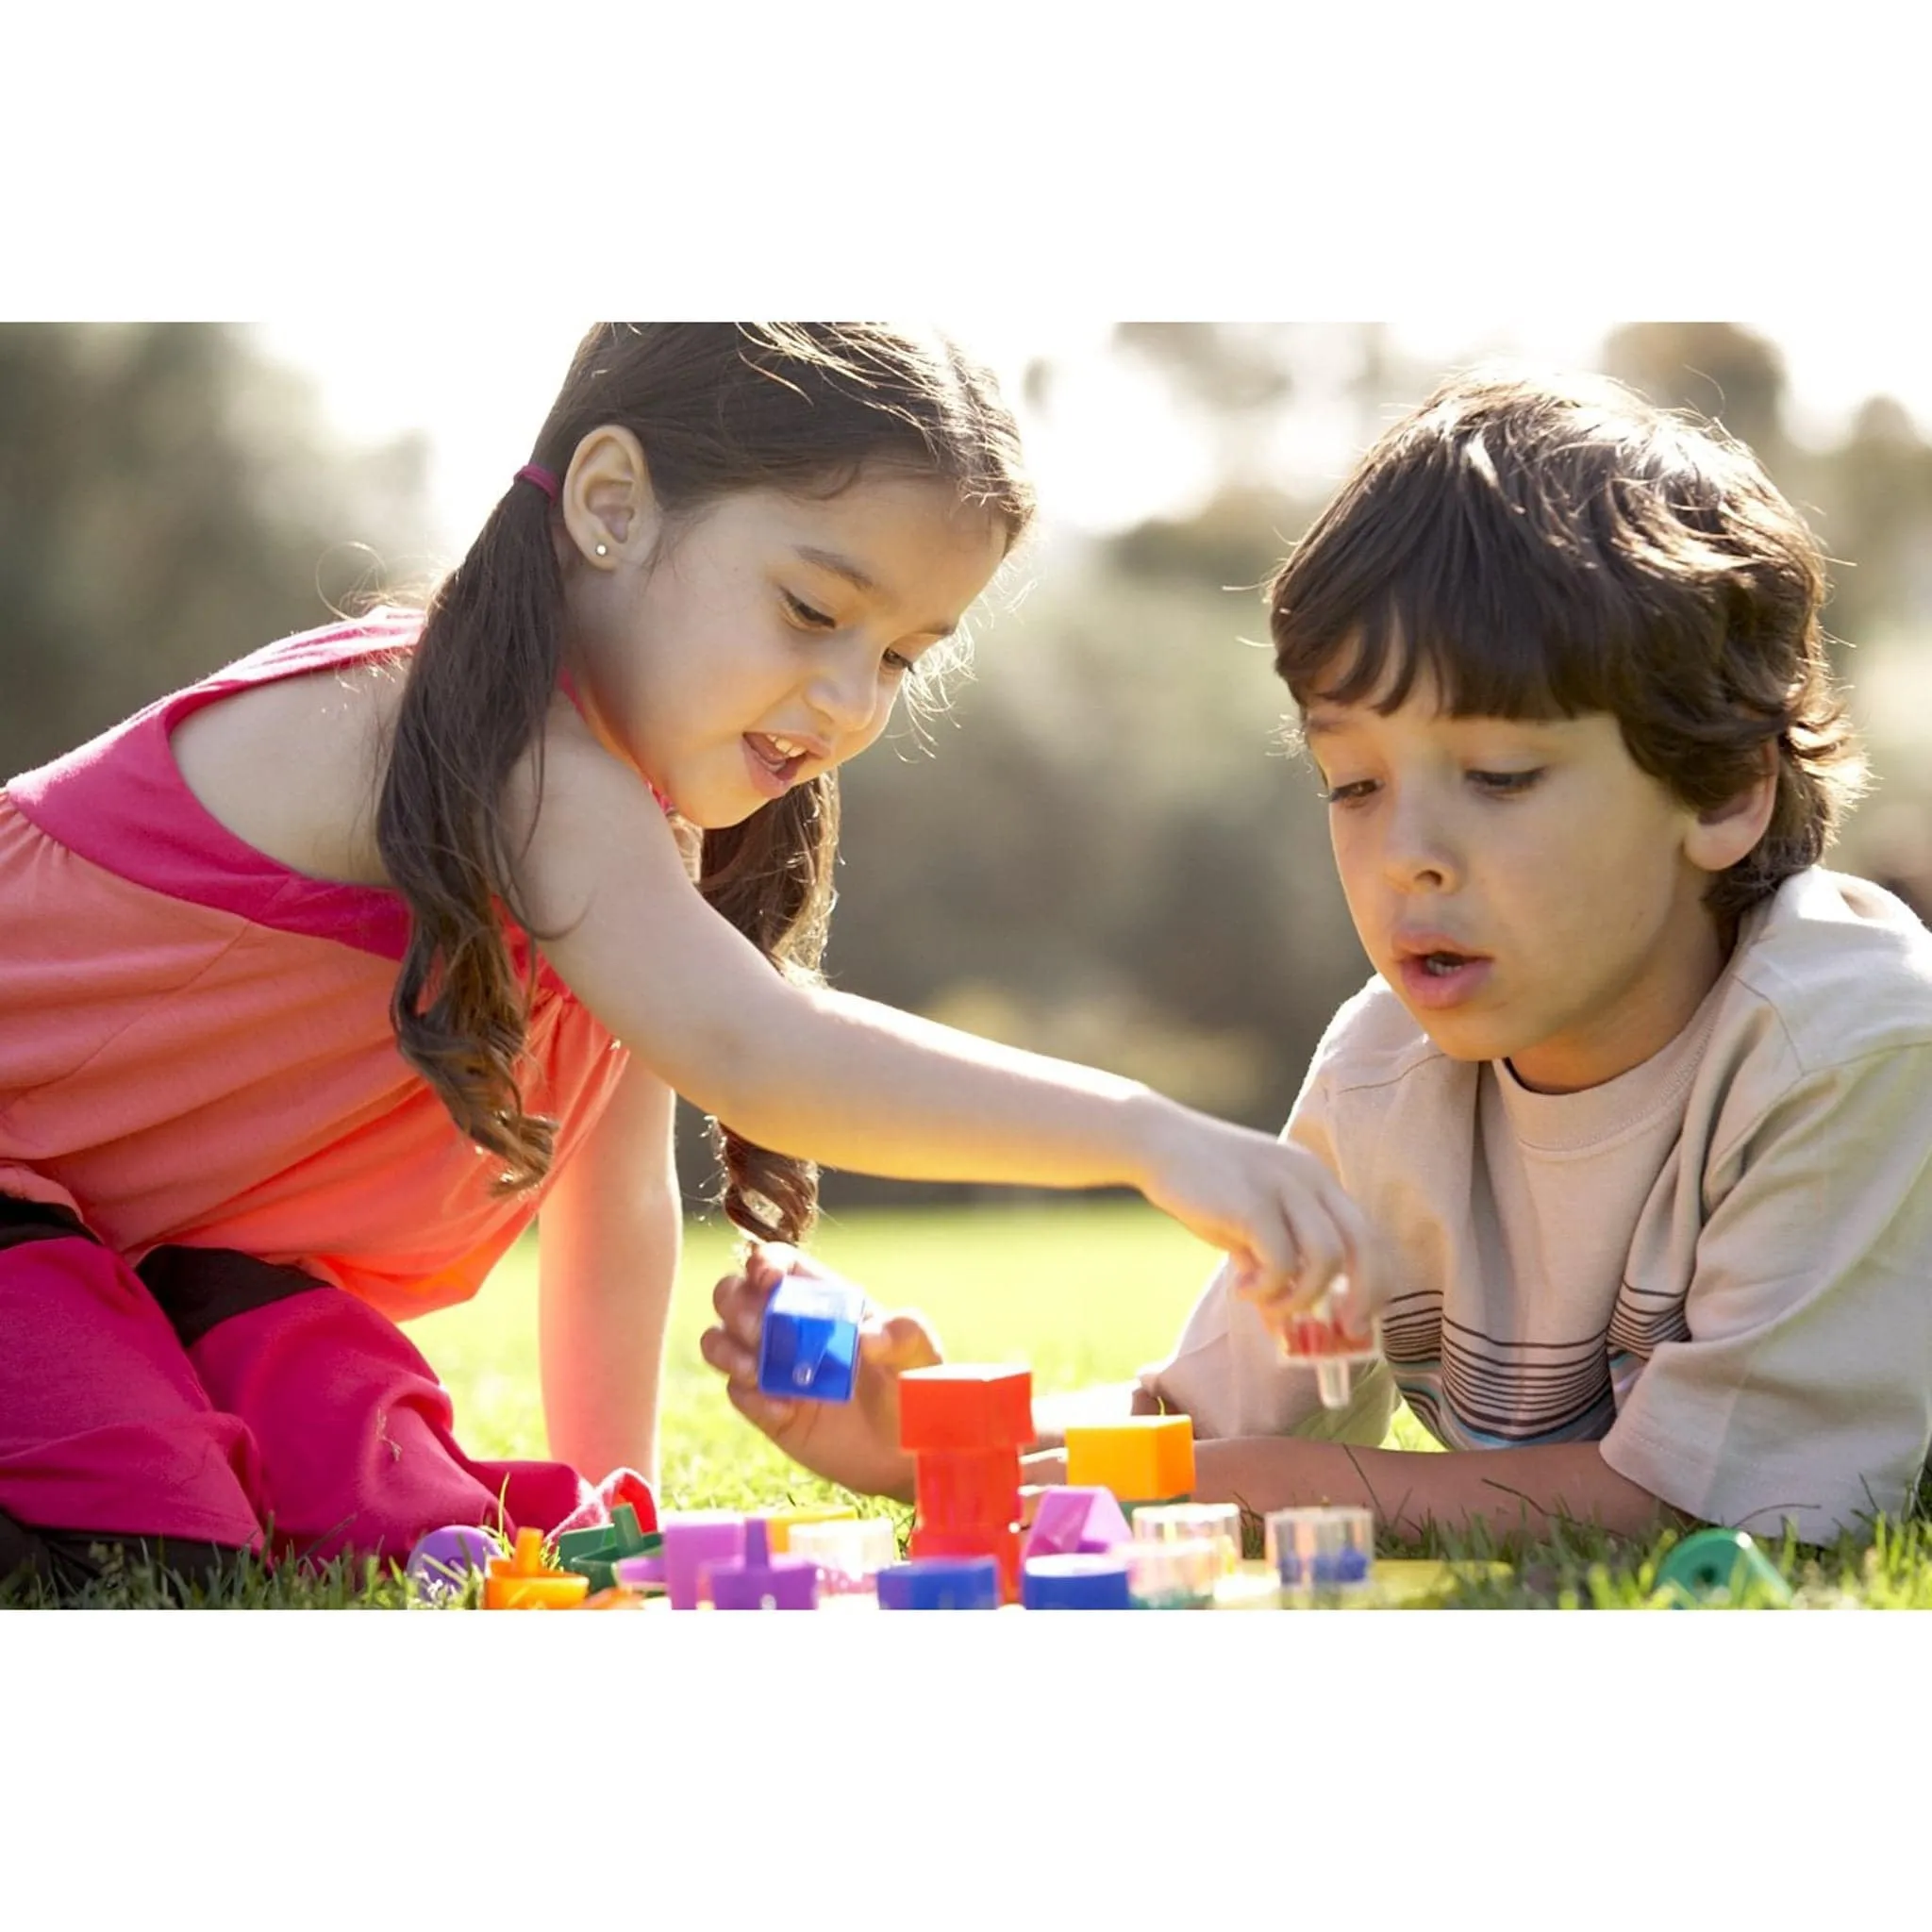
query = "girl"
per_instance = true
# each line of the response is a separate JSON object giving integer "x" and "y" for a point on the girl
{"x": 322, "y": 975}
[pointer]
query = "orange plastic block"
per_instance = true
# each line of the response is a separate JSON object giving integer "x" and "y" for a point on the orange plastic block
{"x": 779, "y": 1524}
{"x": 1004, "y": 1544}
{"x": 967, "y": 1489}
{"x": 955, "y": 1407}
{"x": 522, "y": 1583}
{"x": 1142, "y": 1458}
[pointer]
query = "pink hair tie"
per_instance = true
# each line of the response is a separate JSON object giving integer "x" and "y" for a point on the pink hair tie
{"x": 537, "y": 474}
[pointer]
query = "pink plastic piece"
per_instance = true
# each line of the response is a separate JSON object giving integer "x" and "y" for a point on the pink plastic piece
{"x": 1076, "y": 1521}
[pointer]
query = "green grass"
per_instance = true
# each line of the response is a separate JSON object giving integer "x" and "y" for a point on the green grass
{"x": 1082, "y": 1293}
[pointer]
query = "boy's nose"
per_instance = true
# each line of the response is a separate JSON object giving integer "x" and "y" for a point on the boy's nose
{"x": 1416, "y": 856}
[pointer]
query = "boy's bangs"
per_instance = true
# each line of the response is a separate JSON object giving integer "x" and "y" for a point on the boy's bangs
{"x": 1506, "y": 615}
{"x": 1486, "y": 655}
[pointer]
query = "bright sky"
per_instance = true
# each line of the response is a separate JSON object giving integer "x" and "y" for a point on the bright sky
{"x": 1114, "y": 450}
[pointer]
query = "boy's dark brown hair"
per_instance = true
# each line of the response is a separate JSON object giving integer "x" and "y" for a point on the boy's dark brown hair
{"x": 1548, "y": 547}
{"x": 718, "y": 406}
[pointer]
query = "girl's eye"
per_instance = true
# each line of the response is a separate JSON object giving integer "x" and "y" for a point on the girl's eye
{"x": 806, "y": 614}
{"x": 1347, "y": 795}
{"x": 896, "y": 663}
{"x": 1504, "y": 784}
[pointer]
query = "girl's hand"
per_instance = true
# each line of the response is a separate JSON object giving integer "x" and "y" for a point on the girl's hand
{"x": 1290, "y": 1234}
{"x": 853, "y": 1444}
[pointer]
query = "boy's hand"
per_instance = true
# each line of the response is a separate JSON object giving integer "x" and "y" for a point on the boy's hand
{"x": 853, "y": 1444}
{"x": 1292, "y": 1237}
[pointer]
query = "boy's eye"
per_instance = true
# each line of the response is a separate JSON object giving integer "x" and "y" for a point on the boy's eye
{"x": 1503, "y": 784}
{"x": 811, "y": 618}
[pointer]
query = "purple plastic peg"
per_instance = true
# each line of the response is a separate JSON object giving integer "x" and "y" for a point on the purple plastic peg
{"x": 763, "y": 1581}
{"x": 1082, "y": 1521}
{"x": 694, "y": 1539}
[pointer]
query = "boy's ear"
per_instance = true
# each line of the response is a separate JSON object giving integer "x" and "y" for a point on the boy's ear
{"x": 607, "y": 497}
{"x": 1728, "y": 832}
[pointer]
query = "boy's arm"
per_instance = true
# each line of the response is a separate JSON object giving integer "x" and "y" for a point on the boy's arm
{"x": 1801, "y": 1386}
{"x": 1525, "y": 1492}
{"x": 609, "y": 1234}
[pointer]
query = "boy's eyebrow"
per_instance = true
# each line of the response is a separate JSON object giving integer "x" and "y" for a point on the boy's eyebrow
{"x": 862, "y": 581}
{"x": 1322, "y": 722}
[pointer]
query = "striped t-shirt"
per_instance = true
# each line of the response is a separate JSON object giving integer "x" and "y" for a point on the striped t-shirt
{"x": 1718, "y": 1264}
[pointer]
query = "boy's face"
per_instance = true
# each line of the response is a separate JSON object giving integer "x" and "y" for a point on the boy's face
{"x": 1527, "y": 891}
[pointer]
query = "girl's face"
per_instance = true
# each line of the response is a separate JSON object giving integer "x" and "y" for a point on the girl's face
{"x": 733, "y": 655}
{"x": 1526, "y": 890}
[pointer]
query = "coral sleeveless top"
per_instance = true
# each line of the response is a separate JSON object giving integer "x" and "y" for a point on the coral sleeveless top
{"x": 195, "y": 1044}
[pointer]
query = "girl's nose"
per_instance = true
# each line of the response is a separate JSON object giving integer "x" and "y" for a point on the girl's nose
{"x": 844, "y": 690}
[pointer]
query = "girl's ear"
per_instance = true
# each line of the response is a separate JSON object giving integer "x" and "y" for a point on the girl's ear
{"x": 607, "y": 504}
{"x": 1730, "y": 831}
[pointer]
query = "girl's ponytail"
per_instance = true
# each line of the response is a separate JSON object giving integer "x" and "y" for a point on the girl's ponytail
{"x": 480, "y": 683}
{"x": 772, "y": 878}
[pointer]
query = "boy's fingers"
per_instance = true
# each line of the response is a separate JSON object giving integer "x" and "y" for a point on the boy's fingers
{"x": 740, "y": 1308}
{"x": 901, "y": 1341}
{"x": 766, "y": 1412}
{"x": 730, "y": 1356}
{"x": 769, "y": 1262}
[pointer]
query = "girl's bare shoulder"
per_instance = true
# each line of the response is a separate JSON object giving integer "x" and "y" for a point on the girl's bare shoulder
{"x": 295, "y": 767}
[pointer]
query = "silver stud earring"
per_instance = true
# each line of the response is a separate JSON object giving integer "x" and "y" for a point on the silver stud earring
{"x": 603, "y": 550}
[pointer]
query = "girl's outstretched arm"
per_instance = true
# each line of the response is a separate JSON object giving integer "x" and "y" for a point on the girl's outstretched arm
{"x": 851, "y": 1083}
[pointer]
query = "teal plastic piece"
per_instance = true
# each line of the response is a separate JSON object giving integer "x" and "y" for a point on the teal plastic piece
{"x": 592, "y": 1552}
{"x": 1722, "y": 1567}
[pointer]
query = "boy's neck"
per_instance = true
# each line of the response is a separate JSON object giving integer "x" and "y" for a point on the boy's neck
{"x": 1691, "y": 996}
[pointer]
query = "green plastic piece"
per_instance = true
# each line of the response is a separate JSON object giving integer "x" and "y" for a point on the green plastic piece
{"x": 1127, "y": 1508}
{"x": 593, "y": 1552}
{"x": 1722, "y": 1566}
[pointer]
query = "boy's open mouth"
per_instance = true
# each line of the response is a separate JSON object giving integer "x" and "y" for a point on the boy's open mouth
{"x": 1438, "y": 975}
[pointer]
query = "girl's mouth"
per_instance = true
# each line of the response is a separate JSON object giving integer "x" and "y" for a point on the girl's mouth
{"x": 774, "y": 762}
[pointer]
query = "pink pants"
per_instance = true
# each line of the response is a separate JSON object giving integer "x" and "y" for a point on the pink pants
{"x": 271, "y": 1413}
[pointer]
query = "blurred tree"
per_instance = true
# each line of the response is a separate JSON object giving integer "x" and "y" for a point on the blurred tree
{"x": 1715, "y": 368}
{"x": 1877, "y": 520}
{"x": 1233, "y": 541}
{"x": 167, "y": 502}
{"x": 1235, "y": 376}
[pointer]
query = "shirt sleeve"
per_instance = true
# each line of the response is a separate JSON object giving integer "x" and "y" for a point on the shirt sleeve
{"x": 1804, "y": 1391}
{"x": 1226, "y": 1371}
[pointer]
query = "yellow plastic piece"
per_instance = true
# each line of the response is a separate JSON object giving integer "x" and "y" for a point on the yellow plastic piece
{"x": 1142, "y": 1458}
{"x": 521, "y": 1582}
{"x": 781, "y": 1522}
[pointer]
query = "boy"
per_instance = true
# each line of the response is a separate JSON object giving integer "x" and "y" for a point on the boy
{"x": 1639, "y": 1100}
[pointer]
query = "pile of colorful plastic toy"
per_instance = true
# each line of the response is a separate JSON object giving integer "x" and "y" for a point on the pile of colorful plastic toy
{"x": 1121, "y": 1533}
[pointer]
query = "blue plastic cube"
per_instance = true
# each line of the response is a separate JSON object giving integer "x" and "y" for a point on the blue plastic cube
{"x": 809, "y": 1344}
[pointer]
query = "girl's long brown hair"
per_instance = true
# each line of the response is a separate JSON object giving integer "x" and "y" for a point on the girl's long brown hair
{"x": 718, "y": 406}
